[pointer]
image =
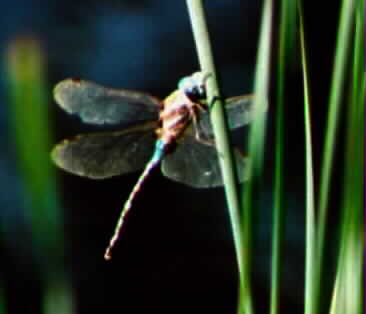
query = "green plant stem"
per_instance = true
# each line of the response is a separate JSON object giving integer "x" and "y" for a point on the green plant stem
{"x": 256, "y": 139}
{"x": 336, "y": 95}
{"x": 287, "y": 19}
{"x": 347, "y": 292}
{"x": 31, "y": 128}
{"x": 335, "y": 98}
{"x": 311, "y": 248}
{"x": 220, "y": 128}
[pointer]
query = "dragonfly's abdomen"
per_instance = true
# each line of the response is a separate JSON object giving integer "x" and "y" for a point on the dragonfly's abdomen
{"x": 161, "y": 149}
{"x": 159, "y": 154}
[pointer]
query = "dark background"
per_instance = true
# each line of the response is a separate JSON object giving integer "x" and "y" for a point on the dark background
{"x": 176, "y": 254}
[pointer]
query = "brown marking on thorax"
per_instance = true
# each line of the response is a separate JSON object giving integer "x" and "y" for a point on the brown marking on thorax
{"x": 177, "y": 113}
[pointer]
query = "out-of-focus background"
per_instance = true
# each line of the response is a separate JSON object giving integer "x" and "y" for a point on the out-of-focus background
{"x": 176, "y": 254}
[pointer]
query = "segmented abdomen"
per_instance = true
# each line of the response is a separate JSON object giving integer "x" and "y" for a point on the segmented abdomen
{"x": 159, "y": 153}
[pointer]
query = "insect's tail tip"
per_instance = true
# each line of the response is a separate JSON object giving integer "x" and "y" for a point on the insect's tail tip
{"x": 107, "y": 255}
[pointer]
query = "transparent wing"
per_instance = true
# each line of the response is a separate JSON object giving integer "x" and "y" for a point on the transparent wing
{"x": 99, "y": 105}
{"x": 104, "y": 155}
{"x": 197, "y": 164}
{"x": 239, "y": 112}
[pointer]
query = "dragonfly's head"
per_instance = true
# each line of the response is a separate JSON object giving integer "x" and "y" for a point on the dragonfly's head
{"x": 194, "y": 86}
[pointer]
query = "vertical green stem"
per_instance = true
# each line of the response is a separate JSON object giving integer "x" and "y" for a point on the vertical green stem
{"x": 287, "y": 25}
{"x": 335, "y": 98}
{"x": 336, "y": 93}
{"x": 219, "y": 123}
{"x": 31, "y": 129}
{"x": 242, "y": 232}
{"x": 311, "y": 248}
{"x": 256, "y": 142}
{"x": 257, "y": 133}
{"x": 347, "y": 293}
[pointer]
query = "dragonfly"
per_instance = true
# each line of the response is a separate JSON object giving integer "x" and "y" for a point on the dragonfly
{"x": 175, "y": 133}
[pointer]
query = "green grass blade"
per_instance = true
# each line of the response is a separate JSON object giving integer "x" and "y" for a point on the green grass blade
{"x": 347, "y": 293}
{"x": 31, "y": 129}
{"x": 311, "y": 266}
{"x": 220, "y": 128}
{"x": 336, "y": 96}
{"x": 256, "y": 142}
{"x": 27, "y": 89}
{"x": 261, "y": 91}
{"x": 286, "y": 41}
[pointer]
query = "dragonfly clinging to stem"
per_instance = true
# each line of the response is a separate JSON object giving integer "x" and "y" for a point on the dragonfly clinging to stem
{"x": 179, "y": 125}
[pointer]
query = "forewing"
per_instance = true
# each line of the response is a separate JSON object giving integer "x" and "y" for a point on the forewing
{"x": 197, "y": 164}
{"x": 239, "y": 111}
{"x": 96, "y": 104}
{"x": 104, "y": 155}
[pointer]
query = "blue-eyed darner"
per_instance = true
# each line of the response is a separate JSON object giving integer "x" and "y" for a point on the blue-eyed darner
{"x": 175, "y": 132}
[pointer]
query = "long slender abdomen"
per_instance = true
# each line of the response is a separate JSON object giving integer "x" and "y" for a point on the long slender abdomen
{"x": 160, "y": 151}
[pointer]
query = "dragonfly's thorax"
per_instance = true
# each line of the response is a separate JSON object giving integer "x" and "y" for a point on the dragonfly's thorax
{"x": 177, "y": 113}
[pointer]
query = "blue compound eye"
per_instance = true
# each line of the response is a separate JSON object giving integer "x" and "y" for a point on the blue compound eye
{"x": 196, "y": 93}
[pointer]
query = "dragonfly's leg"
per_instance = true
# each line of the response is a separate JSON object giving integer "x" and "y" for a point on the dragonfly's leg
{"x": 201, "y": 107}
{"x": 198, "y": 132}
{"x": 206, "y": 141}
